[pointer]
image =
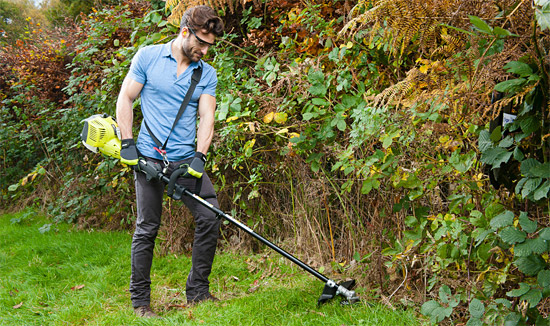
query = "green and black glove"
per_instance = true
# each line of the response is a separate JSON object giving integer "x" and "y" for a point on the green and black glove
{"x": 196, "y": 167}
{"x": 129, "y": 153}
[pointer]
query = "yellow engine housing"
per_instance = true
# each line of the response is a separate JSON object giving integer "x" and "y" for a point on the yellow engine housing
{"x": 100, "y": 132}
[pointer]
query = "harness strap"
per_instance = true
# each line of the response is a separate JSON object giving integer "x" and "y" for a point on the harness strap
{"x": 195, "y": 78}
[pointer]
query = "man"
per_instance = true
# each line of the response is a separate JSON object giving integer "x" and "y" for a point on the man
{"x": 161, "y": 74}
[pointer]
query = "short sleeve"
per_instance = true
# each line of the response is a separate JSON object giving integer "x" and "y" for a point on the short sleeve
{"x": 137, "y": 71}
{"x": 210, "y": 87}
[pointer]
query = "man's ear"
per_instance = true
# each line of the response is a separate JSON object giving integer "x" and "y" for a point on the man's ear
{"x": 184, "y": 32}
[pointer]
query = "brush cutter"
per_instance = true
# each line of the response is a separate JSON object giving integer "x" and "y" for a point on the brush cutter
{"x": 100, "y": 132}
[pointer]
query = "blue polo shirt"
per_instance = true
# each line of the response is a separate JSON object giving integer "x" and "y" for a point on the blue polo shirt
{"x": 161, "y": 97}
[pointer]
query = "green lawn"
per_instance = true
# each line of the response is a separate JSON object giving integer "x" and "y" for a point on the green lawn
{"x": 69, "y": 277}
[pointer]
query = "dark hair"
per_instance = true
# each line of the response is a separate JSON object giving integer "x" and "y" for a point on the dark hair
{"x": 202, "y": 18}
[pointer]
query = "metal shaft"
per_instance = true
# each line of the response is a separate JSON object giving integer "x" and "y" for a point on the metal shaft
{"x": 153, "y": 172}
{"x": 268, "y": 243}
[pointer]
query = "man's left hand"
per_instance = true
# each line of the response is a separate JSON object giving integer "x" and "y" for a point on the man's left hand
{"x": 196, "y": 167}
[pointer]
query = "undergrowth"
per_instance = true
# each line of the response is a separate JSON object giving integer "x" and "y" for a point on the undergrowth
{"x": 404, "y": 142}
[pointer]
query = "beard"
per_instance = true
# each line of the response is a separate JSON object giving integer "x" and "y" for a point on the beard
{"x": 191, "y": 52}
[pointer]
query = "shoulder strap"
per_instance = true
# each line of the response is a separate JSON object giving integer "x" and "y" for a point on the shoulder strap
{"x": 195, "y": 78}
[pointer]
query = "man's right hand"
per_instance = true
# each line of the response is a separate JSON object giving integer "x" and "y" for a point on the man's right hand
{"x": 128, "y": 152}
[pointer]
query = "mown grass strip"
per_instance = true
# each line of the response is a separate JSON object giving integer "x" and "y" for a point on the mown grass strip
{"x": 69, "y": 277}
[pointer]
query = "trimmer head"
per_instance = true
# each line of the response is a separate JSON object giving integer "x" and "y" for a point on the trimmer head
{"x": 343, "y": 289}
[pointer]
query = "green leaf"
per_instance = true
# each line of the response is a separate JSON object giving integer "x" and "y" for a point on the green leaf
{"x": 530, "y": 246}
{"x": 462, "y": 163}
{"x": 523, "y": 250}
{"x": 481, "y": 25}
{"x": 540, "y": 170}
{"x": 319, "y": 101}
{"x": 341, "y": 125}
{"x": 13, "y": 187}
{"x": 527, "y": 225}
{"x": 484, "y": 141}
{"x": 518, "y": 154}
{"x": 545, "y": 234}
{"x": 510, "y": 85}
{"x": 527, "y": 165}
{"x": 445, "y": 294}
{"x": 523, "y": 288}
{"x": 496, "y": 156}
{"x": 504, "y": 219}
{"x": 542, "y": 191}
{"x": 530, "y": 186}
{"x": 493, "y": 210}
{"x": 530, "y": 265}
{"x": 543, "y": 278}
{"x": 476, "y": 308}
{"x": 428, "y": 307}
{"x": 518, "y": 68}
{"x": 506, "y": 142}
{"x": 511, "y": 235}
{"x": 501, "y": 31}
{"x": 473, "y": 321}
{"x": 529, "y": 124}
{"x": 533, "y": 297}
{"x": 542, "y": 14}
{"x": 537, "y": 245}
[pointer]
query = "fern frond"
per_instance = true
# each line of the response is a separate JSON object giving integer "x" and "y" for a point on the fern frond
{"x": 178, "y": 7}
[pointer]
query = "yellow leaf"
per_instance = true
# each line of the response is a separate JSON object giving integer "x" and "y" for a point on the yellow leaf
{"x": 282, "y": 131}
{"x": 294, "y": 135}
{"x": 231, "y": 119}
{"x": 281, "y": 117}
{"x": 443, "y": 139}
{"x": 424, "y": 69}
{"x": 269, "y": 117}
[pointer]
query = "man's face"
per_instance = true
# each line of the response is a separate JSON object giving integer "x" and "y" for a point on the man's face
{"x": 197, "y": 43}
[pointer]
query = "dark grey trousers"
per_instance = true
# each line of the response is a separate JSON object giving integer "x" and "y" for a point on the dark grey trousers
{"x": 149, "y": 195}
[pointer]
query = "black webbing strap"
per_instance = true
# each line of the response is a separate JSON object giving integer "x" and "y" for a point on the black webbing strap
{"x": 195, "y": 78}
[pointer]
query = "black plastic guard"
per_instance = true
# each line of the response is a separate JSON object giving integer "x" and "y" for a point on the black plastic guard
{"x": 329, "y": 292}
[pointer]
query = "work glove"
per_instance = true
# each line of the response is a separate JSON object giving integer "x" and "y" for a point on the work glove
{"x": 196, "y": 167}
{"x": 128, "y": 153}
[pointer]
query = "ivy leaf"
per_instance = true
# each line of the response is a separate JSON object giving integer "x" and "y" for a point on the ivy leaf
{"x": 523, "y": 288}
{"x": 476, "y": 308}
{"x": 527, "y": 225}
{"x": 504, "y": 219}
{"x": 530, "y": 265}
{"x": 511, "y": 235}
{"x": 496, "y": 156}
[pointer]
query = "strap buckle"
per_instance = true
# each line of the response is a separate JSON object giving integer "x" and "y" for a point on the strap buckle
{"x": 162, "y": 152}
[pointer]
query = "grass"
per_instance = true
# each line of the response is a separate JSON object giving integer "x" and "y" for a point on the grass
{"x": 68, "y": 277}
